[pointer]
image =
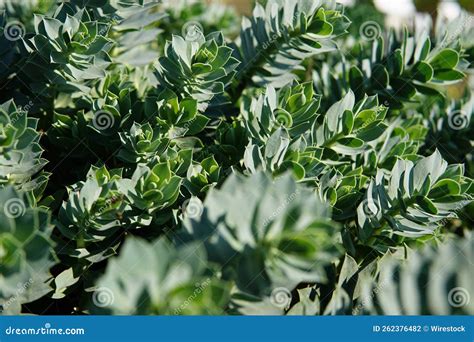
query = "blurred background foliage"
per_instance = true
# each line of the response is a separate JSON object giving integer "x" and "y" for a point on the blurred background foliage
{"x": 164, "y": 167}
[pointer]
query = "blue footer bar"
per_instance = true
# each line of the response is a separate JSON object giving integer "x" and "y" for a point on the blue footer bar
{"x": 237, "y": 328}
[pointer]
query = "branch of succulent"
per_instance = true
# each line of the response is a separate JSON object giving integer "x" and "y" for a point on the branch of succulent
{"x": 166, "y": 158}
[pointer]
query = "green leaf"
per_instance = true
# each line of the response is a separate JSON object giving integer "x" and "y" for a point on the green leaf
{"x": 296, "y": 168}
{"x": 338, "y": 109}
{"x": 445, "y": 187}
{"x": 445, "y": 59}
{"x": 423, "y": 47}
{"x": 380, "y": 76}
{"x": 422, "y": 72}
{"x": 347, "y": 122}
{"x": 371, "y": 132}
{"x": 403, "y": 87}
{"x": 348, "y": 146}
{"x": 426, "y": 204}
{"x": 448, "y": 75}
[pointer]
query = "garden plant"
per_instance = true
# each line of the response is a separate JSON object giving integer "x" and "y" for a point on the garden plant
{"x": 178, "y": 158}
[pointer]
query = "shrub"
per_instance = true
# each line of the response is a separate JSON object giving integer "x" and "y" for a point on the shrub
{"x": 162, "y": 158}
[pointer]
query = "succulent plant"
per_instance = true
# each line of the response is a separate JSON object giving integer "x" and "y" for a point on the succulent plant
{"x": 396, "y": 287}
{"x": 159, "y": 279}
{"x": 202, "y": 176}
{"x": 152, "y": 188}
{"x": 73, "y": 43}
{"x": 415, "y": 198}
{"x": 20, "y": 158}
{"x": 179, "y": 117}
{"x": 197, "y": 67}
{"x": 287, "y": 132}
{"x": 94, "y": 216}
{"x": 141, "y": 144}
{"x": 277, "y": 38}
{"x": 266, "y": 234}
{"x": 26, "y": 250}
{"x": 192, "y": 165}
{"x": 396, "y": 69}
{"x": 294, "y": 108}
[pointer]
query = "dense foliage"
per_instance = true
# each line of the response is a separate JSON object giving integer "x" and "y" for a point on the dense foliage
{"x": 170, "y": 158}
